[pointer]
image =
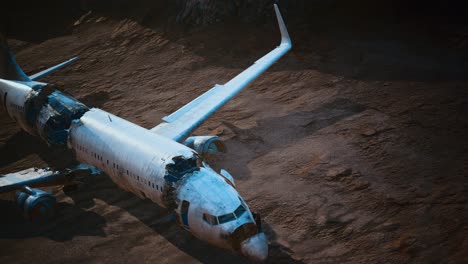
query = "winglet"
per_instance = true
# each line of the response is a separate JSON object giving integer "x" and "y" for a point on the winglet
{"x": 50, "y": 70}
{"x": 285, "y": 40}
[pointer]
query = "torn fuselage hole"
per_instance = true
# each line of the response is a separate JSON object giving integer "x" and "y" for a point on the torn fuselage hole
{"x": 175, "y": 171}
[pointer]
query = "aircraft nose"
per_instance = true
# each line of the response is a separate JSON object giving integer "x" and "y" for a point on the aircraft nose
{"x": 255, "y": 247}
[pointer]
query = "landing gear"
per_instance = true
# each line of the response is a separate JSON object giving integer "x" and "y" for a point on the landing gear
{"x": 258, "y": 221}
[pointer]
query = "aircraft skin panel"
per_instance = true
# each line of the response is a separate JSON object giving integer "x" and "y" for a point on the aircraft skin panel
{"x": 179, "y": 124}
{"x": 133, "y": 157}
{"x": 14, "y": 96}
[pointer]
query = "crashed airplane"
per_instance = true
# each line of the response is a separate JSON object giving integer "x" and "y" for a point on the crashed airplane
{"x": 162, "y": 164}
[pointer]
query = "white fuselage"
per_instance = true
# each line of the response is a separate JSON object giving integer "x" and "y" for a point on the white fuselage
{"x": 132, "y": 156}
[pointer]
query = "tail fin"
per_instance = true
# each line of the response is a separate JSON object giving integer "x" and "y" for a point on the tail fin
{"x": 9, "y": 69}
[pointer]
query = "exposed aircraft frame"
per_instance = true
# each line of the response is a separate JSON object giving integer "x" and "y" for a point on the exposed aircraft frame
{"x": 160, "y": 164}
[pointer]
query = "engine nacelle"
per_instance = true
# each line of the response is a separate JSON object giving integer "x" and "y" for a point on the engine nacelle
{"x": 205, "y": 144}
{"x": 36, "y": 205}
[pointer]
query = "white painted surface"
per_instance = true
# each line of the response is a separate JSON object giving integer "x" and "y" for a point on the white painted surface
{"x": 16, "y": 96}
{"x": 116, "y": 146}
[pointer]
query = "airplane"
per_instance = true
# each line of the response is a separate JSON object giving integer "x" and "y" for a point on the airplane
{"x": 163, "y": 164}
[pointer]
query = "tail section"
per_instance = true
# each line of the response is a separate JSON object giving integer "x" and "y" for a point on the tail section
{"x": 10, "y": 70}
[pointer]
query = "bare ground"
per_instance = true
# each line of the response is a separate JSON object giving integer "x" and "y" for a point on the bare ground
{"x": 353, "y": 151}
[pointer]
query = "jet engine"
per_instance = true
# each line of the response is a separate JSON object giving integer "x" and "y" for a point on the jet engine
{"x": 205, "y": 144}
{"x": 36, "y": 205}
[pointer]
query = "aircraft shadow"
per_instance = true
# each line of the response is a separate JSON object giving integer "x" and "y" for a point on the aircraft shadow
{"x": 22, "y": 144}
{"x": 159, "y": 220}
{"x": 276, "y": 133}
{"x": 64, "y": 227}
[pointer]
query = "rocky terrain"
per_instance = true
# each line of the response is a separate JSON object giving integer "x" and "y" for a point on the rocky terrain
{"x": 352, "y": 147}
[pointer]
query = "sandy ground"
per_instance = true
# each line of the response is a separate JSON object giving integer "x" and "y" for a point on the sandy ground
{"x": 352, "y": 151}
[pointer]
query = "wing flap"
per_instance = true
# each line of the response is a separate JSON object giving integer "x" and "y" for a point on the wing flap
{"x": 179, "y": 124}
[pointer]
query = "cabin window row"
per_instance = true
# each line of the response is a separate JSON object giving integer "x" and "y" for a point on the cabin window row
{"x": 116, "y": 166}
{"x": 144, "y": 181}
{"x": 17, "y": 107}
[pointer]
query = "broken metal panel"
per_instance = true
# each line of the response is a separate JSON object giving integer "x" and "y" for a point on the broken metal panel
{"x": 56, "y": 116}
{"x": 174, "y": 172}
{"x": 42, "y": 111}
{"x": 179, "y": 167}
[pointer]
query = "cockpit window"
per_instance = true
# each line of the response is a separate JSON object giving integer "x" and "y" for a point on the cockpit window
{"x": 239, "y": 211}
{"x": 210, "y": 219}
{"x": 213, "y": 220}
{"x": 226, "y": 218}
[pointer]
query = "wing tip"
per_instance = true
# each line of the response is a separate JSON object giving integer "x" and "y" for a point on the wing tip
{"x": 285, "y": 39}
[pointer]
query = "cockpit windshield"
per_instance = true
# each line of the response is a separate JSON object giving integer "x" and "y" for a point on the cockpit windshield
{"x": 213, "y": 220}
{"x": 239, "y": 211}
{"x": 226, "y": 218}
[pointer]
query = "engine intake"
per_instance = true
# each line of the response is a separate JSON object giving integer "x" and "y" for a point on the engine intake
{"x": 205, "y": 144}
{"x": 36, "y": 205}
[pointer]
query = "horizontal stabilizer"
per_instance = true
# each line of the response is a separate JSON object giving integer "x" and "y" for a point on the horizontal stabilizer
{"x": 43, "y": 73}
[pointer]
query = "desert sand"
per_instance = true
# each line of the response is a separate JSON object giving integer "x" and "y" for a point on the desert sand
{"x": 352, "y": 147}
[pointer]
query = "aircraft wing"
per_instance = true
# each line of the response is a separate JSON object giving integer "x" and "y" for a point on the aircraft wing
{"x": 41, "y": 177}
{"x": 179, "y": 124}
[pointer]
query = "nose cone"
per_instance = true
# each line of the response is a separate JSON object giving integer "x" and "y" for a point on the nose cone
{"x": 255, "y": 247}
